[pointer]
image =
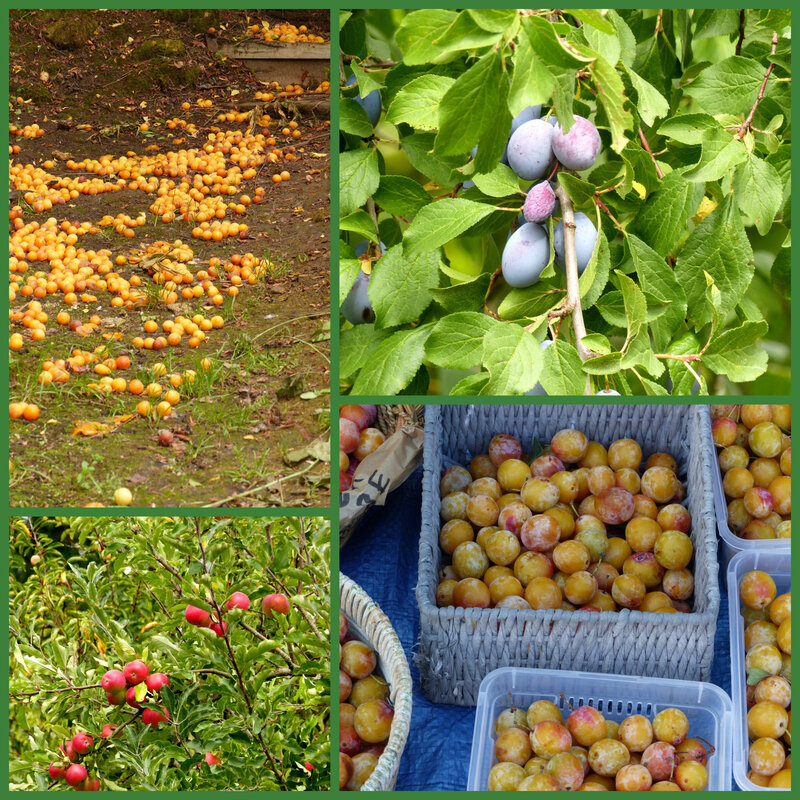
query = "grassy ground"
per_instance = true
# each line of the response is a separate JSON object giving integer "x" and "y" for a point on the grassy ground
{"x": 251, "y": 429}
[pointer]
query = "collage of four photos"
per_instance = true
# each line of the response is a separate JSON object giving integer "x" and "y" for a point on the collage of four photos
{"x": 558, "y": 346}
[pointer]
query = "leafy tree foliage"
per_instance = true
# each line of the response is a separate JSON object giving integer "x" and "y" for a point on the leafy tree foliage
{"x": 687, "y": 288}
{"x": 88, "y": 595}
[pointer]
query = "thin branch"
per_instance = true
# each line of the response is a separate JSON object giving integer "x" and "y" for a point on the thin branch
{"x": 748, "y": 122}
{"x": 572, "y": 302}
{"x": 647, "y": 147}
{"x": 370, "y": 205}
{"x": 741, "y": 32}
{"x": 56, "y": 691}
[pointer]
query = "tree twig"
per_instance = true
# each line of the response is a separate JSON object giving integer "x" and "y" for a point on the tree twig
{"x": 741, "y": 32}
{"x": 647, "y": 147}
{"x": 748, "y": 122}
{"x": 572, "y": 303}
{"x": 56, "y": 691}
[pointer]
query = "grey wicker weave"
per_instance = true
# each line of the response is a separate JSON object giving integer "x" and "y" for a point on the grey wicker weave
{"x": 371, "y": 625}
{"x": 458, "y": 647}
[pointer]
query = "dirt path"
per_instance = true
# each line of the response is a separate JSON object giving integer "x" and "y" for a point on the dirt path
{"x": 250, "y": 429}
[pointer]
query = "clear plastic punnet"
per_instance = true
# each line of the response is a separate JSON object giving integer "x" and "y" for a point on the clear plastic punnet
{"x": 778, "y": 564}
{"x": 730, "y": 543}
{"x": 707, "y": 707}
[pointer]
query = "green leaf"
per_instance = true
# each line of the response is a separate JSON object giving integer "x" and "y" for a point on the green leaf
{"x": 417, "y": 104}
{"x": 657, "y": 279}
{"x": 393, "y": 363}
{"x": 355, "y": 348}
{"x": 715, "y": 22}
{"x": 470, "y": 106}
{"x": 757, "y": 188}
{"x": 562, "y": 372}
{"x": 533, "y": 301}
{"x": 513, "y": 359}
{"x": 495, "y": 20}
{"x": 348, "y": 272}
{"x": 603, "y": 41}
{"x": 595, "y": 277}
{"x": 593, "y": 17}
{"x": 531, "y": 82}
{"x": 737, "y": 354}
{"x": 500, "y": 182}
{"x": 353, "y": 119}
{"x": 682, "y": 380}
{"x": 781, "y": 272}
{"x": 640, "y": 352}
{"x": 729, "y": 86}
{"x": 603, "y": 365}
{"x": 611, "y": 93}
{"x": 721, "y": 153}
{"x": 719, "y": 246}
{"x": 563, "y": 94}
{"x": 358, "y": 178}
{"x": 550, "y": 47}
{"x": 651, "y": 388}
{"x": 442, "y": 221}
{"x": 400, "y": 286}
{"x": 579, "y": 190}
{"x": 468, "y": 294}
{"x": 364, "y": 80}
{"x": 401, "y": 196}
{"x": 440, "y": 169}
{"x": 456, "y": 341}
{"x": 361, "y": 223}
{"x": 651, "y": 103}
{"x": 635, "y": 304}
{"x": 688, "y": 128}
{"x": 471, "y": 385}
{"x": 417, "y": 33}
{"x": 662, "y": 219}
{"x": 465, "y": 34}
{"x": 492, "y": 143}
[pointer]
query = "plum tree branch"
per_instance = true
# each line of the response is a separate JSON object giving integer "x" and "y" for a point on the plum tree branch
{"x": 746, "y": 125}
{"x": 741, "y": 32}
{"x": 572, "y": 303}
{"x": 646, "y": 146}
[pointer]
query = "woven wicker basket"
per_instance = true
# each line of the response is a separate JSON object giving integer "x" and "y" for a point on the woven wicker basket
{"x": 370, "y": 624}
{"x": 390, "y": 419}
{"x": 458, "y": 647}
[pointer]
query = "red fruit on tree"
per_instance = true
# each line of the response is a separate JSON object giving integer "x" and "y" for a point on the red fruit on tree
{"x": 69, "y": 751}
{"x": 308, "y": 765}
{"x": 156, "y": 681}
{"x": 130, "y": 697}
{"x": 152, "y": 717}
{"x": 82, "y": 743}
{"x": 115, "y": 699}
{"x": 219, "y": 629}
{"x": 278, "y": 603}
{"x": 113, "y": 681}
{"x": 239, "y": 600}
{"x": 196, "y": 616}
{"x": 57, "y": 771}
{"x": 211, "y": 759}
{"x": 108, "y": 731}
{"x": 90, "y": 785}
{"x": 75, "y": 774}
{"x": 135, "y": 672}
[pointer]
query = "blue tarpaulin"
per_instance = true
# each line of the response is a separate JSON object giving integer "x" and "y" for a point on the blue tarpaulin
{"x": 381, "y": 556}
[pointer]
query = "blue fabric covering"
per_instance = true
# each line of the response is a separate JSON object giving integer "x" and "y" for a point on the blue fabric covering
{"x": 381, "y": 556}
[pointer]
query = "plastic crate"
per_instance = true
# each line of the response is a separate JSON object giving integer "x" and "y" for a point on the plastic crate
{"x": 616, "y": 696}
{"x": 372, "y": 626}
{"x": 730, "y": 543}
{"x": 779, "y": 565}
{"x": 458, "y": 647}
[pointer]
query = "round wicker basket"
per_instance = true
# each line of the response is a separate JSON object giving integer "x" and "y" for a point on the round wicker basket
{"x": 365, "y": 618}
